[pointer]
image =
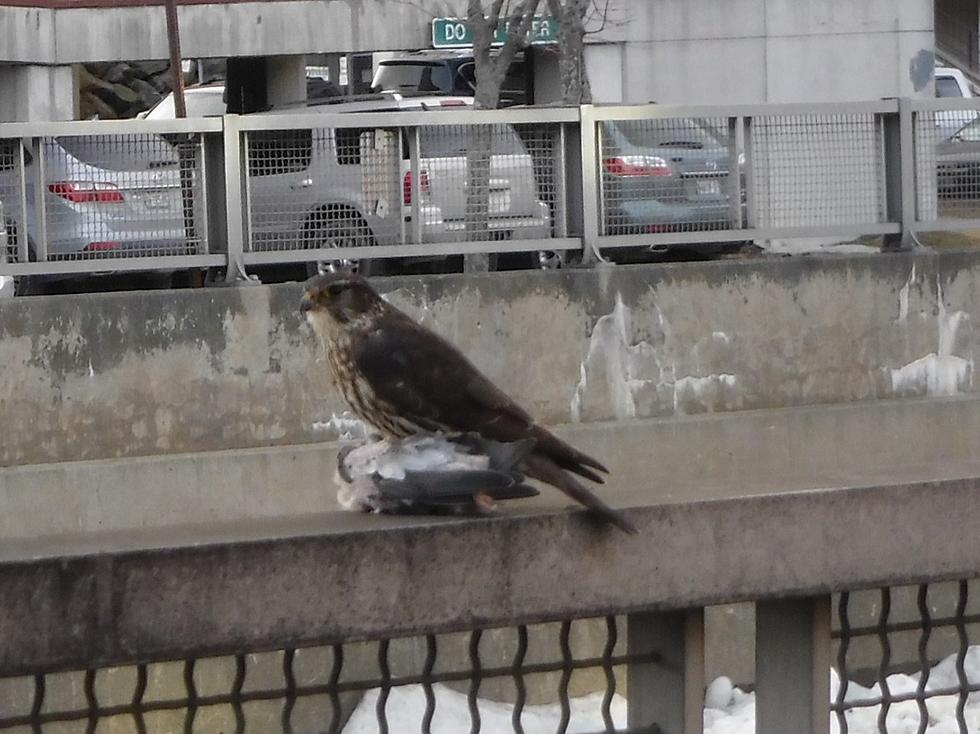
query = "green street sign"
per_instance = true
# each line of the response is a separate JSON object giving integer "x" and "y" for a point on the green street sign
{"x": 456, "y": 33}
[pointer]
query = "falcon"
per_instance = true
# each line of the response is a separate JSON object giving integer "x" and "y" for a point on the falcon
{"x": 403, "y": 379}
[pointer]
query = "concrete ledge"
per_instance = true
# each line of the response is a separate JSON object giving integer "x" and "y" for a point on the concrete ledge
{"x": 205, "y": 595}
{"x": 651, "y": 462}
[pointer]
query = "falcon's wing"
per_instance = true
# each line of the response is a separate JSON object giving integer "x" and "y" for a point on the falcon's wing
{"x": 426, "y": 379}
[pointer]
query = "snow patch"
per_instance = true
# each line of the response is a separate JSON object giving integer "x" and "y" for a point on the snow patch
{"x": 903, "y": 296}
{"x": 345, "y": 425}
{"x": 405, "y": 708}
{"x": 708, "y": 391}
{"x": 617, "y": 371}
{"x": 614, "y": 362}
{"x": 940, "y": 372}
{"x": 935, "y": 374}
{"x": 727, "y": 709}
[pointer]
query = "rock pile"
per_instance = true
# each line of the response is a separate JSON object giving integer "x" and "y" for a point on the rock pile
{"x": 120, "y": 89}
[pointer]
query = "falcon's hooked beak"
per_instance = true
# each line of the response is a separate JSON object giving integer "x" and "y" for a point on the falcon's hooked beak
{"x": 306, "y": 303}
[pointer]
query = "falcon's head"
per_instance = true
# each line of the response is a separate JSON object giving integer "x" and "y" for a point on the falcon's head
{"x": 339, "y": 299}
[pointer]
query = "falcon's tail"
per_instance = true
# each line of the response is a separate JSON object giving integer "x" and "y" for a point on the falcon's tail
{"x": 544, "y": 469}
{"x": 566, "y": 456}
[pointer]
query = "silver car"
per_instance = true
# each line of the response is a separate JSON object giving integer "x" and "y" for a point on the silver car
{"x": 98, "y": 197}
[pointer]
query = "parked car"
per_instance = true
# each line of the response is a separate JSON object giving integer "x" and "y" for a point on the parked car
{"x": 447, "y": 71}
{"x": 131, "y": 203}
{"x": 207, "y": 100}
{"x": 951, "y": 83}
{"x": 958, "y": 163}
{"x": 664, "y": 175}
{"x": 353, "y": 187}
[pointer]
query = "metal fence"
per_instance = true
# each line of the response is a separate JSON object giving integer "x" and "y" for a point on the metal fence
{"x": 522, "y": 624}
{"x": 386, "y": 189}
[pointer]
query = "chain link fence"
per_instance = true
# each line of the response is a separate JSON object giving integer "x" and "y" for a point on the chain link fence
{"x": 905, "y": 659}
{"x": 361, "y": 188}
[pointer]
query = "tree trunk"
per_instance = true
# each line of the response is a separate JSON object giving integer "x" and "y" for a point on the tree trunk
{"x": 574, "y": 79}
{"x": 490, "y": 74}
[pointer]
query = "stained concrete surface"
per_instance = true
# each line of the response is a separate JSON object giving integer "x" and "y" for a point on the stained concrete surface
{"x": 128, "y": 374}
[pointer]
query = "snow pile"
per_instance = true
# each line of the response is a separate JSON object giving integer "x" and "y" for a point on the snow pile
{"x": 727, "y": 709}
{"x": 406, "y": 706}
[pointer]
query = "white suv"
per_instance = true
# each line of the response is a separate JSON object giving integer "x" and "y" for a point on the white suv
{"x": 348, "y": 186}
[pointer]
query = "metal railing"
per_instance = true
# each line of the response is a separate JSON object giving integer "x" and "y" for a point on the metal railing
{"x": 373, "y": 187}
{"x": 535, "y": 623}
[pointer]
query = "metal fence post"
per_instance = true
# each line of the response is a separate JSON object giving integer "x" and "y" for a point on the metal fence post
{"x": 213, "y": 213}
{"x": 899, "y": 150}
{"x": 234, "y": 200}
{"x": 792, "y": 662}
{"x": 590, "y": 185}
{"x": 40, "y": 197}
{"x": 668, "y": 692}
{"x": 748, "y": 164}
{"x": 736, "y": 146}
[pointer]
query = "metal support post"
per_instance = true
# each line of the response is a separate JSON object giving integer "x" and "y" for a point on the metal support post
{"x": 234, "y": 201}
{"x": 751, "y": 204}
{"x": 792, "y": 662}
{"x": 559, "y": 175}
{"x": 667, "y": 693}
{"x": 415, "y": 189}
{"x": 899, "y": 151}
{"x": 212, "y": 209}
{"x": 590, "y": 174}
{"x": 40, "y": 199}
{"x": 736, "y": 145}
{"x": 176, "y": 62}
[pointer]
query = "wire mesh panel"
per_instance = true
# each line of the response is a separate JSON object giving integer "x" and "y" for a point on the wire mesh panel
{"x": 817, "y": 170}
{"x": 491, "y": 182}
{"x": 13, "y": 199}
{"x": 904, "y": 662}
{"x": 557, "y": 677}
{"x": 668, "y": 175}
{"x": 99, "y": 196}
{"x": 947, "y": 148}
{"x": 324, "y": 188}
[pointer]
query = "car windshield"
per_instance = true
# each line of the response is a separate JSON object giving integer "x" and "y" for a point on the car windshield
{"x": 198, "y": 103}
{"x": 420, "y": 76}
{"x": 946, "y": 86}
{"x": 664, "y": 133}
{"x": 452, "y": 141}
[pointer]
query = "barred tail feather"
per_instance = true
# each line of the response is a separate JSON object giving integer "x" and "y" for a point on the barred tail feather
{"x": 546, "y": 470}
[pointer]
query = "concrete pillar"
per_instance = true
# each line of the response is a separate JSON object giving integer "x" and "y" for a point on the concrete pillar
{"x": 666, "y": 694}
{"x": 285, "y": 79}
{"x": 792, "y": 666}
{"x": 31, "y": 92}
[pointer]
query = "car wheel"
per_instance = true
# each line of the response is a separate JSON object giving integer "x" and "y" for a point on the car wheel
{"x": 332, "y": 235}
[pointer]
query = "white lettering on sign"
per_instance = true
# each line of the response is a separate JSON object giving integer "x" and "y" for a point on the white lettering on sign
{"x": 455, "y": 31}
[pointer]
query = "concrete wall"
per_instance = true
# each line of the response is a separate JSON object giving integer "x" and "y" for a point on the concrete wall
{"x": 684, "y": 51}
{"x": 35, "y": 92}
{"x": 104, "y": 375}
{"x": 670, "y": 51}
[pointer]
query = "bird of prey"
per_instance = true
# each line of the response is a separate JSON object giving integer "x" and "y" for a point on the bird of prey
{"x": 431, "y": 474}
{"x": 403, "y": 379}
